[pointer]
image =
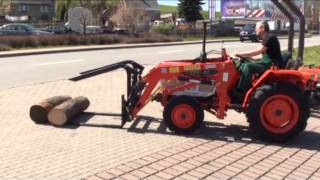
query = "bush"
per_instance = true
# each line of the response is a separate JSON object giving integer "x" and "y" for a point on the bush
{"x": 163, "y": 28}
{"x": 4, "y": 47}
{"x": 17, "y": 42}
{"x": 152, "y": 38}
{"x": 110, "y": 39}
{"x": 72, "y": 40}
{"x": 31, "y": 41}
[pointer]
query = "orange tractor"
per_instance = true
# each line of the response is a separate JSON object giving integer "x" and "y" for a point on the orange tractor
{"x": 276, "y": 106}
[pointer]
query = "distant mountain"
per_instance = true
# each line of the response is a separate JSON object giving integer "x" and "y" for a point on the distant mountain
{"x": 168, "y": 9}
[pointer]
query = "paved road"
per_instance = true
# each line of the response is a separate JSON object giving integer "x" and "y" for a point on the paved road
{"x": 19, "y": 71}
{"x": 95, "y": 147}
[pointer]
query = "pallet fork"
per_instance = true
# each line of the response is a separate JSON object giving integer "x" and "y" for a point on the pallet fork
{"x": 134, "y": 84}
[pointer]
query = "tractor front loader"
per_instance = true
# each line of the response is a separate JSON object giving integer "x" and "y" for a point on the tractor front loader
{"x": 276, "y": 106}
{"x": 134, "y": 84}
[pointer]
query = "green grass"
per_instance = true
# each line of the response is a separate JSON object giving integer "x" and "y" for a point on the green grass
{"x": 311, "y": 55}
{"x": 164, "y": 9}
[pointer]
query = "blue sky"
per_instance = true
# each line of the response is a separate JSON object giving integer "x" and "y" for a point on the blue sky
{"x": 175, "y": 2}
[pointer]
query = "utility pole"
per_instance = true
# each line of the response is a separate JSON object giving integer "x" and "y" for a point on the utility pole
{"x": 315, "y": 17}
{"x": 212, "y": 9}
{"x": 308, "y": 13}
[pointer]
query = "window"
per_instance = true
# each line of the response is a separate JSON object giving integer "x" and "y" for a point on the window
{"x": 23, "y": 8}
{"x": 20, "y": 28}
{"x": 9, "y": 28}
{"x": 44, "y": 9}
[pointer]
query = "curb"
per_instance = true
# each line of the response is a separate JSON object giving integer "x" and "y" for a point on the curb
{"x": 103, "y": 47}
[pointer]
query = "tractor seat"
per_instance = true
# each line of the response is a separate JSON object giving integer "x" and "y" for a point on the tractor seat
{"x": 282, "y": 64}
{"x": 284, "y": 61}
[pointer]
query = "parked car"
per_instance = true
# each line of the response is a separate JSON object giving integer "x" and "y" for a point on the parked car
{"x": 121, "y": 31}
{"x": 248, "y": 32}
{"x": 106, "y": 30}
{"x": 157, "y": 22}
{"x": 78, "y": 29}
{"x": 56, "y": 29}
{"x": 94, "y": 30}
{"x": 20, "y": 29}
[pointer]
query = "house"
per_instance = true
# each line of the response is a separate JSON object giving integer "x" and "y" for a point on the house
{"x": 35, "y": 10}
{"x": 140, "y": 14}
{"x": 168, "y": 18}
{"x": 150, "y": 6}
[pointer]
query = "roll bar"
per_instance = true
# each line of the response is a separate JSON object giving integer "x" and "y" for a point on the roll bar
{"x": 291, "y": 19}
{"x": 298, "y": 13}
{"x": 289, "y": 4}
{"x": 294, "y": 9}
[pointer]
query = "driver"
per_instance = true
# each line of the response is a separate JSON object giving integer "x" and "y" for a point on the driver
{"x": 270, "y": 51}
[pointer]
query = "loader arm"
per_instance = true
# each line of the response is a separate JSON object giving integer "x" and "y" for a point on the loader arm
{"x": 133, "y": 69}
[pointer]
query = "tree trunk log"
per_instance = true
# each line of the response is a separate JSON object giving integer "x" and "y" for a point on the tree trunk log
{"x": 60, "y": 114}
{"x": 39, "y": 112}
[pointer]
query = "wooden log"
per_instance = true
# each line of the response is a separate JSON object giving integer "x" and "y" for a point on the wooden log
{"x": 39, "y": 112}
{"x": 60, "y": 114}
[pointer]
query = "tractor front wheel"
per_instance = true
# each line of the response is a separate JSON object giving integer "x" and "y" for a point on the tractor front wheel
{"x": 278, "y": 113}
{"x": 183, "y": 115}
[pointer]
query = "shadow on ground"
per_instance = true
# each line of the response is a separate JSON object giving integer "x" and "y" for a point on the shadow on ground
{"x": 315, "y": 108}
{"x": 209, "y": 131}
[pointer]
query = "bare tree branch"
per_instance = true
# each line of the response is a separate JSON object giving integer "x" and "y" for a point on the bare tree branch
{"x": 134, "y": 20}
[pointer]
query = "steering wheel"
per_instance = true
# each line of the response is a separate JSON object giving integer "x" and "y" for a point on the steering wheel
{"x": 242, "y": 58}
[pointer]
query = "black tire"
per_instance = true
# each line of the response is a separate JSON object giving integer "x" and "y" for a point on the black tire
{"x": 241, "y": 39}
{"x": 256, "y": 114}
{"x": 255, "y": 39}
{"x": 316, "y": 94}
{"x": 182, "y": 102}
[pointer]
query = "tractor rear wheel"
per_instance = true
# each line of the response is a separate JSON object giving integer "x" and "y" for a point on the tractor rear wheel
{"x": 316, "y": 94}
{"x": 278, "y": 113}
{"x": 183, "y": 115}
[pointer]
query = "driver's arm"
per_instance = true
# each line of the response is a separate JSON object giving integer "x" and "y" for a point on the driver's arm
{"x": 261, "y": 50}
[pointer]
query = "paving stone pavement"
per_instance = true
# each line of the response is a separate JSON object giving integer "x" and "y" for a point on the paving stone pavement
{"x": 94, "y": 147}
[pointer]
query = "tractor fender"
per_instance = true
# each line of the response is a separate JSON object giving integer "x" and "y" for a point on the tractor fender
{"x": 273, "y": 76}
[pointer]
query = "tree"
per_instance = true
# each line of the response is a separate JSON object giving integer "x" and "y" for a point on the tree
{"x": 102, "y": 9}
{"x": 62, "y": 7}
{"x": 84, "y": 18}
{"x": 132, "y": 19}
{"x": 4, "y": 7}
{"x": 97, "y": 7}
{"x": 190, "y": 10}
